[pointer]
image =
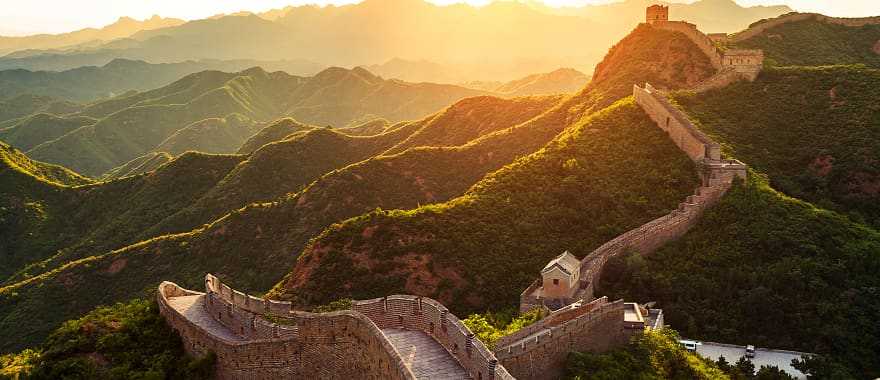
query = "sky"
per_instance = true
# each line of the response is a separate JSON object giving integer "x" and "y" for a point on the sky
{"x": 57, "y": 16}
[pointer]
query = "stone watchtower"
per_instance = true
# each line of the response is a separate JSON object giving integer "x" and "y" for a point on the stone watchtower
{"x": 656, "y": 13}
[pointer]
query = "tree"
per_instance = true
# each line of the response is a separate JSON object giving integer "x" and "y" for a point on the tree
{"x": 772, "y": 373}
{"x": 745, "y": 367}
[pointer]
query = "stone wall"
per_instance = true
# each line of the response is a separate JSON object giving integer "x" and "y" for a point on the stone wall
{"x": 342, "y": 344}
{"x": 683, "y": 133}
{"x": 720, "y": 80}
{"x": 746, "y": 62}
{"x": 543, "y": 355}
{"x": 429, "y": 316}
{"x": 551, "y": 320}
{"x": 334, "y": 345}
{"x": 717, "y": 178}
{"x": 697, "y": 37}
{"x": 793, "y": 17}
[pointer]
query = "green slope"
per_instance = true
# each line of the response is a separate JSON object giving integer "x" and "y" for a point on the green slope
{"x": 369, "y": 128}
{"x": 18, "y": 168}
{"x": 812, "y": 43}
{"x": 276, "y": 131}
{"x": 146, "y": 163}
{"x": 765, "y": 269}
{"x": 101, "y": 216}
{"x": 26, "y": 104}
{"x": 814, "y": 131}
{"x": 609, "y": 173}
{"x": 39, "y": 128}
{"x": 131, "y": 125}
{"x": 482, "y": 115}
{"x": 214, "y": 135}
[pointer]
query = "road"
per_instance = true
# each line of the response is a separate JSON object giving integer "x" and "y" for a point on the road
{"x": 731, "y": 353}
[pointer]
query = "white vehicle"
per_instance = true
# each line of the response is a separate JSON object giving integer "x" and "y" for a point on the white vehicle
{"x": 690, "y": 345}
{"x": 750, "y": 351}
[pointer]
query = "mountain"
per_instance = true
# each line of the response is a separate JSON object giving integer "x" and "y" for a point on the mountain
{"x": 146, "y": 163}
{"x": 38, "y": 128}
{"x": 90, "y": 83}
{"x": 815, "y": 41}
{"x": 825, "y": 155}
{"x": 419, "y": 71}
{"x": 19, "y": 169}
{"x": 123, "y": 27}
{"x": 131, "y": 125}
{"x": 276, "y": 131}
{"x": 213, "y": 135}
{"x": 28, "y": 104}
{"x": 256, "y": 245}
{"x": 558, "y": 81}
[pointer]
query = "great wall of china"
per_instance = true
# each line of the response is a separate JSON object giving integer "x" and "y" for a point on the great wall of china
{"x": 411, "y": 337}
{"x": 396, "y": 337}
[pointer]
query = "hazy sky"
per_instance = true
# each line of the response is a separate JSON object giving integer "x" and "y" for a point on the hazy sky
{"x": 55, "y": 16}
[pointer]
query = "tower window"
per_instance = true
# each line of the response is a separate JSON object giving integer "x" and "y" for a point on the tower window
{"x": 555, "y": 281}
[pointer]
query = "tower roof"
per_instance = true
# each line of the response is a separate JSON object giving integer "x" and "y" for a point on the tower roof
{"x": 566, "y": 261}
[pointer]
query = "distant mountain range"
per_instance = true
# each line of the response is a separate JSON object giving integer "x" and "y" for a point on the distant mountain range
{"x": 89, "y": 83}
{"x": 123, "y": 27}
{"x": 498, "y": 42}
{"x": 215, "y": 112}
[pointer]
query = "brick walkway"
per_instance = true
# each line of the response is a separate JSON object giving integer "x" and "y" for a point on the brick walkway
{"x": 192, "y": 307}
{"x": 424, "y": 356}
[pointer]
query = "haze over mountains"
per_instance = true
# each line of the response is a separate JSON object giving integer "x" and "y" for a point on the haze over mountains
{"x": 122, "y": 28}
{"x": 501, "y": 41}
{"x": 387, "y": 178}
{"x": 171, "y": 119}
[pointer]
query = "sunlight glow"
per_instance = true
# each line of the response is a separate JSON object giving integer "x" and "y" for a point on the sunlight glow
{"x": 53, "y": 16}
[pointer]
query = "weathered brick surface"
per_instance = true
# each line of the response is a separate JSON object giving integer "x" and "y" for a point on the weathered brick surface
{"x": 542, "y": 355}
{"x": 429, "y": 316}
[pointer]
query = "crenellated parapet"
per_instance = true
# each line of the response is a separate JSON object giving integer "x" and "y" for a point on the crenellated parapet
{"x": 431, "y": 317}
{"x": 539, "y": 351}
{"x": 256, "y": 338}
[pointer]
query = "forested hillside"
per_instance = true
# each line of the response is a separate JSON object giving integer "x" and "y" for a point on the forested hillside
{"x": 812, "y": 43}
{"x": 768, "y": 270}
{"x": 526, "y": 212}
{"x": 255, "y": 246}
{"x": 814, "y": 130}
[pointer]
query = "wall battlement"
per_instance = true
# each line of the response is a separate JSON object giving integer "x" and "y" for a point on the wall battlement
{"x": 342, "y": 344}
{"x": 539, "y": 351}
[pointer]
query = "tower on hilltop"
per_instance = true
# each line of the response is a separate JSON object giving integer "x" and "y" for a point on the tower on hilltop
{"x": 656, "y": 13}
